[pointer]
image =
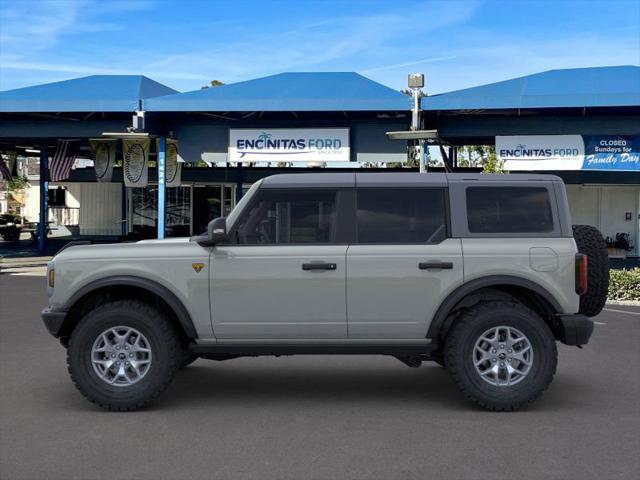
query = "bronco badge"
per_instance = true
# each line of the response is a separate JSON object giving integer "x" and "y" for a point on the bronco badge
{"x": 197, "y": 266}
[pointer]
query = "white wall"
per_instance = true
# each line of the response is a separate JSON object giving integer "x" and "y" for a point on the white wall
{"x": 605, "y": 207}
{"x": 31, "y": 209}
{"x": 72, "y": 198}
{"x": 100, "y": 208}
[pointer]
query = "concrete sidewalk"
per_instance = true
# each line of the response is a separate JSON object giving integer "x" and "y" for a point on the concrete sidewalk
{"x": 22, "y": 262}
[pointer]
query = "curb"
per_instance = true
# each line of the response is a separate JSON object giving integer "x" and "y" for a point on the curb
{"x": 629, "y": 303}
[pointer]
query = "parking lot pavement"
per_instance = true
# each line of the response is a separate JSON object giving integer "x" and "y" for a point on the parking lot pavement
{"x": 315, "y": 417}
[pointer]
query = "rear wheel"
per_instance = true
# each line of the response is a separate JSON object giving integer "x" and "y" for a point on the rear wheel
{"x": 123, "y": 354}
{"x": 590, "y": 242}
{"x": 501, "y": 355}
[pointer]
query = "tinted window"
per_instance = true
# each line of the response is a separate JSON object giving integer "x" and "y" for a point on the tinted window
{"x": 401, "y": 215}
{"x": 289, "y": 216}
{"x": 509, "y": 210}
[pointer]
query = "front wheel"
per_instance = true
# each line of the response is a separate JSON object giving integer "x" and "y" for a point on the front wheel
{"x": 123, "y": 354}
{"x": 501, "y": 355}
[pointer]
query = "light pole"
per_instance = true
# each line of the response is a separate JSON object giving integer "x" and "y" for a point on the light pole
{"x": 416, "y": 83}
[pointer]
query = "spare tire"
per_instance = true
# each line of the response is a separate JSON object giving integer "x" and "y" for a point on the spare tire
{"x": 590, "y": 242}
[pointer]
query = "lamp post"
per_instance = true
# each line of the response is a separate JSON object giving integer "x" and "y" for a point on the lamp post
{"x": 416, "y": 83}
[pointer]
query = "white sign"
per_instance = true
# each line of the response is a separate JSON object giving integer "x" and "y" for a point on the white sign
{"x": 136, "y": 162}
{"x": 104, "y": 158}
{"x": 289, "y": 145}
{"x": 541, "y": 152}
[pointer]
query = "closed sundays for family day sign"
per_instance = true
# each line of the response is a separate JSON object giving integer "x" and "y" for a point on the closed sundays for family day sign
{"x": 569, "y": 152}
{"x": 289, "y": 145}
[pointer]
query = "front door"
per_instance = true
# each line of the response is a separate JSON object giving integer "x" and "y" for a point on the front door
{"x": 283, "y": 274}
{"x": 402, "y": 264}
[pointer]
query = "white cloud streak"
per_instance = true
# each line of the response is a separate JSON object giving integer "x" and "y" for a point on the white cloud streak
{"x": 408, "y": 64}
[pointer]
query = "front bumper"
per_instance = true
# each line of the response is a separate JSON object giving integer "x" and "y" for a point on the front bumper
{"x": 53, "y": 320}
{"x": 575, "y": 329}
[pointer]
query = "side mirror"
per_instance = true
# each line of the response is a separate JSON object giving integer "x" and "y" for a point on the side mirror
{"x": 216, "y": 233}
{"x": 217, "y": 230}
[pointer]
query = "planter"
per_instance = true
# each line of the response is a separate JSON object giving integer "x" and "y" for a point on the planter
{"x": 616, "y": 252}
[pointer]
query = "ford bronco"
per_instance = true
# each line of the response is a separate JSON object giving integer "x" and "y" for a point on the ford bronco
{"x": 479, "y": 273}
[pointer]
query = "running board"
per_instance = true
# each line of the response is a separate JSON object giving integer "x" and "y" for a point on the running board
{"x": 254, "y": 349}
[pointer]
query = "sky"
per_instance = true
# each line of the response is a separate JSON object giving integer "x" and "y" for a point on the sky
{"x": 185, "y": 44}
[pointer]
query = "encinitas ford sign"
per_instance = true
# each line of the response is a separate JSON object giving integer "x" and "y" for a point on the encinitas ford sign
{"x": 289, "y": 145}
{"x": 569, "y": 152}
{"x": 541, "y": 152}
{"x": 611, "y": 152}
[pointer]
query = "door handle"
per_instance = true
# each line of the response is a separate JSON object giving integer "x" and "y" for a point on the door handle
{"x": 319, "y": 266}
{"x": 435, "y": 265}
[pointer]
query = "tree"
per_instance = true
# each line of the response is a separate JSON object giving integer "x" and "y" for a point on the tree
{"x": 15, "y": 194}
{"x": 493, "y": 164}
{"x": 213, "y": 83}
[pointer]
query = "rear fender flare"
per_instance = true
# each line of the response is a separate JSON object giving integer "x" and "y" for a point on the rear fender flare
{"x": 446, "y": 307}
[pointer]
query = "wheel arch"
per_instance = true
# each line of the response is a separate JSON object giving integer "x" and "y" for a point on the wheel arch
{"x": 494, "y": 287}
{"x": 126, "y": 286}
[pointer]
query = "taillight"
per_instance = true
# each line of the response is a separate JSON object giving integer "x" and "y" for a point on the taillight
{"x": 581, "y": 273}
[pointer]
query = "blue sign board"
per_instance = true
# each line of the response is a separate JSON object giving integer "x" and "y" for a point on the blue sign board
{"x": 611, "y": 152}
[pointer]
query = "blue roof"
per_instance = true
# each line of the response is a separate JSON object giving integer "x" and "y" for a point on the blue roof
{"x": 576, "y": 87}
{"x": 96, "y": 93}
{"x": 298, "y": 92}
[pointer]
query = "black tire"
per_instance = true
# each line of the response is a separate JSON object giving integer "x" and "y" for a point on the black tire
{"x": 459, "y": 350}
{"x": 164, "y": 343}
{"x": 590, "y": 242}
{"x": 188, "y": 357}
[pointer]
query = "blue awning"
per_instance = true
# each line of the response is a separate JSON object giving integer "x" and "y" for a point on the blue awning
{"x": 288, "y": 92}
{"x": 577, "y": 87}
{"x": 96, "y": 93}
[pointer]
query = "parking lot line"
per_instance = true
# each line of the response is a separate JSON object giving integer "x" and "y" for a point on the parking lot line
{"x": 622, "y": 311}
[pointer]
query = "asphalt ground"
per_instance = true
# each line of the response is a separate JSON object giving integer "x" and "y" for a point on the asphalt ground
{"x": 315, "y": 417}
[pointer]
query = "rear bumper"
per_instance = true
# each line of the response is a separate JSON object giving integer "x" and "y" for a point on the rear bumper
{"x": 575, "y": 329}
{"x": 53, "y": 320}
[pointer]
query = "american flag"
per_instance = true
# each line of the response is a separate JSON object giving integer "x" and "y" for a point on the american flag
{"x": 62, "y": 161}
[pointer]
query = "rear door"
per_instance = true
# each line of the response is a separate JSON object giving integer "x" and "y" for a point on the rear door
{"x": 402, "y": 263}
{"x": 284, "y": 275}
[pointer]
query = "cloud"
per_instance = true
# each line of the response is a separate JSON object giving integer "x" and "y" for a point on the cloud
{"x": 250, "y": 47}
{"x": 502, "y": 57}
{"x": 343, "y": 40}
{"x": 89, "y": 70}
{"x": 29, "y": 27}
{"x": 409, "y": 64}
{"x": 457, "y": 44}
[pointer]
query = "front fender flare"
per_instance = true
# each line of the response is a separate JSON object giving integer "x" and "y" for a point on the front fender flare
{"x": 161, "y": 291}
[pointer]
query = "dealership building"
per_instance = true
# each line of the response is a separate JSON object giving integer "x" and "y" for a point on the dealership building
{"x": 212, "y": 144}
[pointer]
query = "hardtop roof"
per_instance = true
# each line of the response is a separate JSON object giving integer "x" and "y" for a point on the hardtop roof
{"x": 395, "y": 179}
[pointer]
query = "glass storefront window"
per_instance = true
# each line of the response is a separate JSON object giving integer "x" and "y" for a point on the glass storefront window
{"x": 178, "y": 215}
{"x": 209, "y": 202}
{"x": 144, "y": 212}
{"x": 207, "y": 205}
